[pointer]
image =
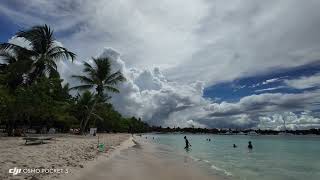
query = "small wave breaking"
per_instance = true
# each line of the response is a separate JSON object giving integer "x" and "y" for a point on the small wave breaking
{"x": 221, "y": 170}
{"x": 212, "y": 166}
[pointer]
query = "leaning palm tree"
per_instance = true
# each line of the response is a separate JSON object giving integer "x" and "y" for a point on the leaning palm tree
{"x": 100, "y": 78}
{"x": 43, "y": 49}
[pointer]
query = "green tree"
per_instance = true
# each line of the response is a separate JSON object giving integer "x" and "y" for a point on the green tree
{"x": 99, "y": 77}
{"x": 44, "y": 51}
{"x": 83, "y": 106}
{"x": 13, "y": 68}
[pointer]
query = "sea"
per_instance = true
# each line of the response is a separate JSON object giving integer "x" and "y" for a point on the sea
{"x": 272, "y": 157}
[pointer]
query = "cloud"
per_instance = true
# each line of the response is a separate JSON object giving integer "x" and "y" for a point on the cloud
{"x": 149, "y": 95}
{"x": 268, "y": 81}
{"x": 270, "y": 89}
{"x": 171, "y": 53}
{"x": 304, "y": 82}
{"x": 210, "y": 41}
{"x": 292, "y": 120}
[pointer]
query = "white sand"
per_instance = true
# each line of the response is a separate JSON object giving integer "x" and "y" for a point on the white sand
{"x": 68, "y": 152}
{"x": 141, "y": 162}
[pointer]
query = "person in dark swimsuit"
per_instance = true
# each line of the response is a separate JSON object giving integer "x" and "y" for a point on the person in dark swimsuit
{"x": 187, "y": 143}
{"x": 234, "y": 145}
{"x": 250, "y": 145}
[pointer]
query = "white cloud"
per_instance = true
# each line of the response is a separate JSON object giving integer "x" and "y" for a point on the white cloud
{"x": 304, "y": 82}
{"x": 293, "y": 121}
{"x": 268, "y": 81}
{"x": 269, "y": 89}
{"x": 149, "y": 95}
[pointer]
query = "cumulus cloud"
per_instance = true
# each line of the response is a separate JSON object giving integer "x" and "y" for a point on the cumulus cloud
{"x": 149, "y": 95}
{"x": 289, "y": 120}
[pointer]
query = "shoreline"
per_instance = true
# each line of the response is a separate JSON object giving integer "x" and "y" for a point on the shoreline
{"x": 126, "y": 157}
{"x": 143, "y": 161}
{"x": 102, "y": 157}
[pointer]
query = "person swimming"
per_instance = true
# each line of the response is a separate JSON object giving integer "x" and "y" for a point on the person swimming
{"x": 187, "y": 143}
{"x": 234, "y": 145}
{"x": 250, "y": 145}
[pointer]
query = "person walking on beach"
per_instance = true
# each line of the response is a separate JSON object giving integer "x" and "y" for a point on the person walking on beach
{"x": 250, "y": 145}
{"x": 187, "y": 143}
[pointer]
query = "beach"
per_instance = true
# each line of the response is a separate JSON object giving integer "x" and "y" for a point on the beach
{"x": 162, "y": 156}
{"x": 144, "y": 161}
{"x": 126, "y": 157}
{"x": 70, "y": 153}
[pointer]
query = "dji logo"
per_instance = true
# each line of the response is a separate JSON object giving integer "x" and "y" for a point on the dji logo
{"x": 15, "y": 171}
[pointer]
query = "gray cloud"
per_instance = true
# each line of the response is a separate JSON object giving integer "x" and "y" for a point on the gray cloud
{"x": 148, "y": 94}
{"x": 304, "y": 82}
{"x": 211, "y": 41}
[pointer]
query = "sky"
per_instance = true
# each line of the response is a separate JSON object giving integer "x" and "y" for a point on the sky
{"x": 205, "y": 63}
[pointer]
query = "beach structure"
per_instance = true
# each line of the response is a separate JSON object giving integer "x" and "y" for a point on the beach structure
{"x": 37, "y": 140}
{"x": 252, "y": 133}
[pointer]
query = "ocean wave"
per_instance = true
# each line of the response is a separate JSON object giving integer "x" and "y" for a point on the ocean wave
{"x": 222, "y": 170}
{"x": 194, "y": 158}
{"x": 212, "y": 166}
{"x": 206, "y": 161}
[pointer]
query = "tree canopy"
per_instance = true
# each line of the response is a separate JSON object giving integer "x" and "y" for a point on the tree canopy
{"x": 34, "y": 96}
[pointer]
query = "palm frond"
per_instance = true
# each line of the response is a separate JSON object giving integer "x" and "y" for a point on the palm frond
{"x": 103, "y": 67}
{"x": 97, "y": 116}
{"x": 13, "y": 48}
{"x": 7, "y": 57}
{"x": 40, "y": 37}
{"x": 82, "y": 87}
{"x": 88, "y": 68}
{"x": 111, "y": 89}
{"x": 61, "y": 53}
{"x": 83, "y": 79}
{"x": 115, "y": 78}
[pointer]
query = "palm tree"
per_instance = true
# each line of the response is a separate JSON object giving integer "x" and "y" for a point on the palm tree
{"x": 100, "y": 78}
{"x": 43, "y": 50}
{"x": 83, "y": 106}
{"x": 13, "y": 68}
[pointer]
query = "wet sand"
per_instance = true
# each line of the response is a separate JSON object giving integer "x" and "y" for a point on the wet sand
{"x": 143, "y": 162}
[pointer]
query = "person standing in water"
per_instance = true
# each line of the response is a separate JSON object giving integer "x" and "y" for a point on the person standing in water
{"x": 234, "y": 145}
{"x": 187, "y": 143}
{"x": 250, "y": 145}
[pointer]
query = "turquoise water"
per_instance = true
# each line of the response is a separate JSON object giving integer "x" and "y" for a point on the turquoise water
{"x": 272, "y": 157}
